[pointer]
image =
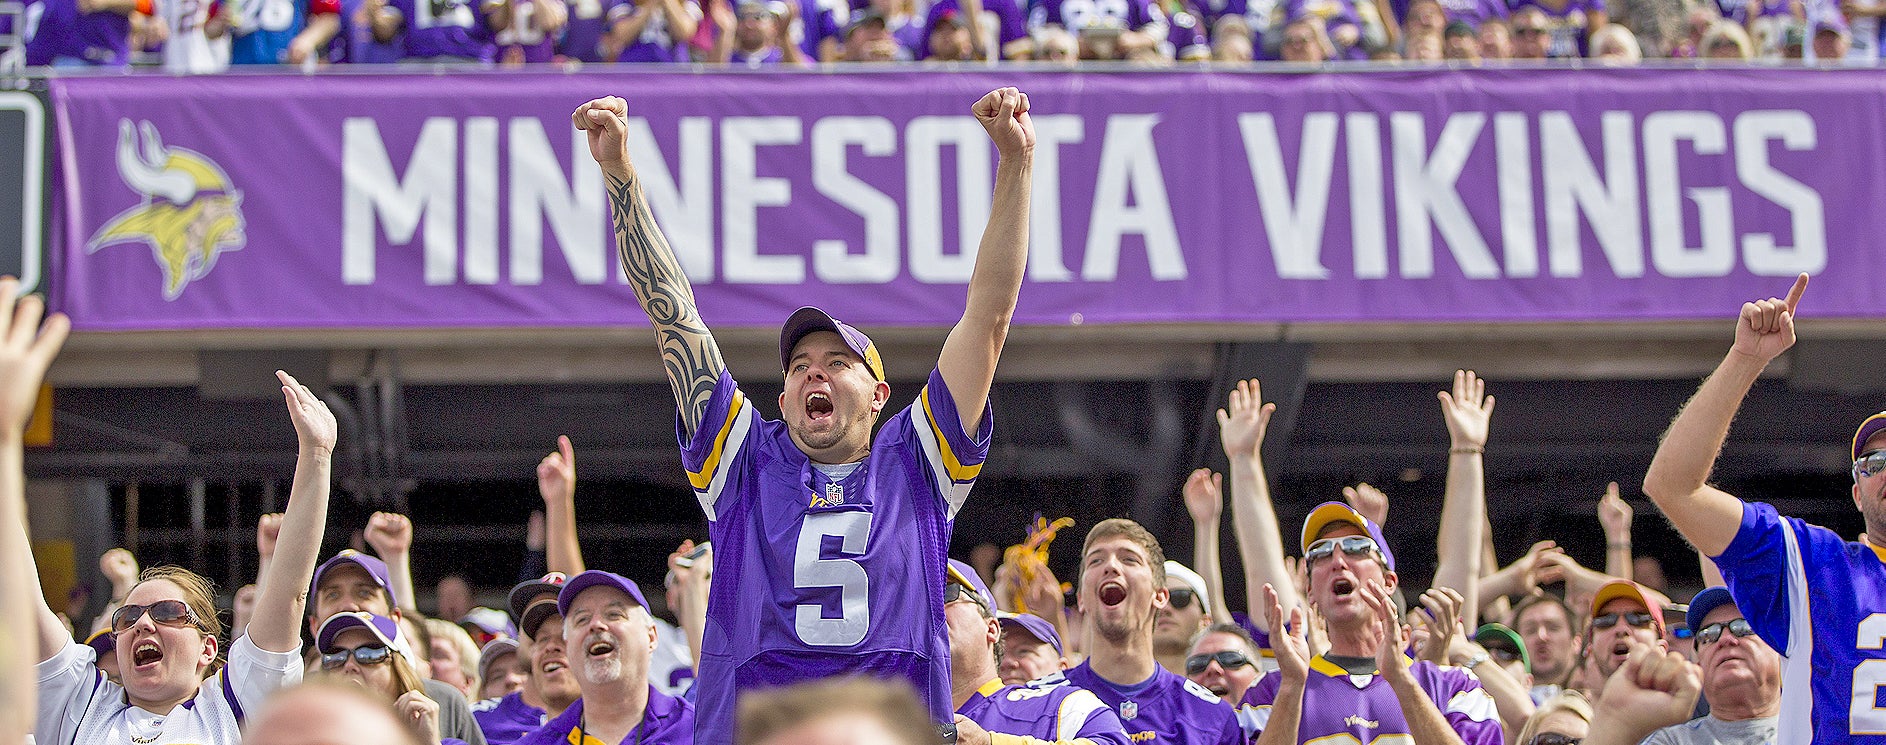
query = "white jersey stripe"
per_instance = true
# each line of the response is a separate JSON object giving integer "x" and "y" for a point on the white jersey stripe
{"x": 1076, "y": 709}
{"x": 727, "y": 452}
{"x": 954, "y": 494}
{"x": 1797, "y": 667}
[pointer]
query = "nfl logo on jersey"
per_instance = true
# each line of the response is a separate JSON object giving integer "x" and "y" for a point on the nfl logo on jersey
{"x": 1129, "y": 710}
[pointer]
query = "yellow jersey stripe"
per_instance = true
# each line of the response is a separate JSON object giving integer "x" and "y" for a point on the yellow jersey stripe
{"x": 700, "y": 479}
{"x": 957, "y": 471}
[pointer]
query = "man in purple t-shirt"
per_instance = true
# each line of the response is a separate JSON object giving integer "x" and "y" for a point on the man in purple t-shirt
{"x": 1123, "y": 586}
{"x": 1053, "y": 711}
{"x": 829, "y": 542}
{"x": 1364, "y": 686}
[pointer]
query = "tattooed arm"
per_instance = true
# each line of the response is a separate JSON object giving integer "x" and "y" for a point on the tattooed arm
{"x": 688, "y": 351}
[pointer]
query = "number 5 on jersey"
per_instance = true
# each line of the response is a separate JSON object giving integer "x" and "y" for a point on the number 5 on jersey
{"x": 811, "y": 571}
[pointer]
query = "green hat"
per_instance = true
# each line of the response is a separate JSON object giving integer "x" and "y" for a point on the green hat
{"x": 1498, "y": 636}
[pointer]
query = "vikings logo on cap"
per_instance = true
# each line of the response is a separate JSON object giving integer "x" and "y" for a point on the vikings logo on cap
{"x": 189, "y": 213}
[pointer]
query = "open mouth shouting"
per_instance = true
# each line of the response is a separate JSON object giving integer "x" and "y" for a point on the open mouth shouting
{"x": 1342, "y": 587}
{"x": 818, "y": 407}
{"x": 146, "y": 655}
{"x": 600, "y": 648}
{"x": 553, "y": 666}
{"x": 1112, "y": 593}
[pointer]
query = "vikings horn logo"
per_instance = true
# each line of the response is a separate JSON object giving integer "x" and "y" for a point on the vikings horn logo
{"x": 189, "y": 213}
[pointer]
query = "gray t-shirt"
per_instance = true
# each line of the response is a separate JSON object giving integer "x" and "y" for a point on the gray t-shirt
{"x": 1712, "y": 731}
{"x": 455, "y": 717}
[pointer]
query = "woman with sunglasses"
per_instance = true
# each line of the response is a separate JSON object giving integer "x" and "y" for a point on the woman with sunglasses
{"x": 364, "y": 649}
{"x": 1564, "y": 719}
{"x": 176, "y": 687}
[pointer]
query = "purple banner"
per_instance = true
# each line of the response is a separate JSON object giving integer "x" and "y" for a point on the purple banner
{"x": 468, "y": 200}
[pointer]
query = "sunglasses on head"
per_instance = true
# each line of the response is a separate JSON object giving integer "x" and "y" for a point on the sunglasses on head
{"x": 163, "y": 613}
{"x": 1870, "y": 464}
{"x": 1181, "y": 597}
{"x": 369, "y": 655}
{"x": 1353, "y": 545}
{"x": 1637, "y": 618}
{"x": 1713, "y": 632}
{"x": 1553, "y": 738}
{"x": 1228, "y": 659}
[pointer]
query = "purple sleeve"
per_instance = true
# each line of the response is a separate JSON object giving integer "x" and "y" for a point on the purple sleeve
{"x": 709, "y": 455}
{"x": 1103, "y": 728}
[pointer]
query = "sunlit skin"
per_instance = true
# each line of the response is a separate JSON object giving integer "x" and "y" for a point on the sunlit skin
{"x": 1025, "y": 658}
{"x": 1548, "y": 636}
{"x": 1230, "y": 685}
{"x": 447, "y": 668}
{"x": 1117, "y": 597}
{"x": 1741, "y": 674}
{"x": 846, "y": 728}
{"x": 615, "y": 636}
{"x": 549, "y": 684}
{"x": 1173, "y": 628}
{"x": 346, "y": 588}
{"x": 174, "y": 657}
{"x": 831, "y": 399}
{"x": 755, "y": 30}
{"x": 1334, "y": 581}
{"x": 972, "y": 647}
{"x": 318, "y": 715}
{"x": 376, "y": 679}
{"x": 1610, "y": 647}
{"x": 1869, "y": 492}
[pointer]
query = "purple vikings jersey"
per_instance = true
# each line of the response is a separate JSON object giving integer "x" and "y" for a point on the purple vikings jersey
{"x": 1004, "y": 16}
{"x": 1050, "y": 709}
{"x": 583, "y": 32}
{"x": 1165, "y": 709}
{"x": 1821, "y": 601}
{"x": 56, "y": 29}
{"x": 1074, "y": 15}
{"x": 445, "y": 28}
{"x": 1473, "y": 12}
{"x": 1364, "y": 707}
{"x": 1566, "y": 25}
{"x": 666, "y": 720}
{"x": 656, "y": 44}
{"x": 506, "y": 720}
{"x": 818, "y": 20}
{"x": 524, "y": 40}
{"x": 821, "y": 572}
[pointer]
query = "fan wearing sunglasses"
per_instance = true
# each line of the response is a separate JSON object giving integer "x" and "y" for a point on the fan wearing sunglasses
{"x": 1741, "y": 678}
{"x": 365, "y": 650}
{"x": 1622, "y": 616}
{"x": 1223, "y": 659}
{"x": 1363, "y": 686}
{"x": 1187, "y": 613}
{"x": 174, "y": 689}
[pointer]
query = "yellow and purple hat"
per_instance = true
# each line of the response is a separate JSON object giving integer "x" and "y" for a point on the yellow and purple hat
{"x": 1872, "y": 426}
{"x": 808, "y": 320}
{"x": 1329, "y": 513}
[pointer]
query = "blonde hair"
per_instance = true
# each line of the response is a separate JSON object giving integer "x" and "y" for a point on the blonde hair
{"x": 1571, "y": 702}
{"x": 1619, "y": 36}
{"x": 455, "y": 635}
{"x": 199, "y": 593}
{"x": 1728, "y": 32}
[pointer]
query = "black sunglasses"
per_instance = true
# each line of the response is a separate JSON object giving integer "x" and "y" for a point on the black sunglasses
{"x": 368, "y": 655}
{"x": 1352, "y": 545}
{"x": 1228, "y": 659}
{"x": 955, "y": 591}
{"x": 1713, "y": 632}
{"x": 1554, "y": 738}
{"x": 1637, "y": 618}
{"x": 1181, "y": 597}
{"x": 163, "y": 612}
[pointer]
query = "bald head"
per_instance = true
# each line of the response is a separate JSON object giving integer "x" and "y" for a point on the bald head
{"x": 325, "y": 714}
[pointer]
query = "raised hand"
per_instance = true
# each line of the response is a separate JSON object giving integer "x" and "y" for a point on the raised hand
{"x": 1204, "y": 496}
{"x": 1652, "y": 689}
{"x": 389, "y": 533}
{"x": 314, "y": 424}
{"x": 556, "y": 473}
{"x": 1389, "y": 659}
{"x": 1467, "y": 410}
{"x": 1287, "y": 640}
{"x": 120, "y": 568}
{"x": 606, "y": 121}
{"x": 27, "y": 348}
{"x": 268, "y": 529}
{"x": 1042, "y": 594}
{"x": 419, "y": 714}
{"x": 1241, "y": 423}
{"x": 1368, "y": 500}
{"x": 1766, "y": 327}
{"x": 1614, "y": 514}
{"x": 1443, "y": 622}
{"x": 1003, "y": 112}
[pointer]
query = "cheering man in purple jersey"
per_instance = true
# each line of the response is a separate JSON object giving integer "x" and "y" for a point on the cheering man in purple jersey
{"x": 1123, "y": 587}
{"x": 829, "y": 546}
{"x": 1813, "y": 596}
{"x": 1364, "y": 687}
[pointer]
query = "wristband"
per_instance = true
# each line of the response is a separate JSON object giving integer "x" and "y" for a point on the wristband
{"x": 1466, "y": 450}
{"x": 1474, "y": 661}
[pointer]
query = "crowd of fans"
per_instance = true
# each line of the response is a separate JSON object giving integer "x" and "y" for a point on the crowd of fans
{"x": 205, "y": 36}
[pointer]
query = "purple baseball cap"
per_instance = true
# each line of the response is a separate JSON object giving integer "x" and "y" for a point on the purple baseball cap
{"x": 375, "y": 568}
{"x": 1872, "y": 426}
{"x": 524, "y": 595}
{"x": 102, "y": 641}
{"x": 1036, "y": 626}
{"x": 383, "y": 628}
{"x": 808, "y": 320}
{"x": 1329, "y": 513}
{"x": 965, "y": 575}
{"x": 595, "y": 578}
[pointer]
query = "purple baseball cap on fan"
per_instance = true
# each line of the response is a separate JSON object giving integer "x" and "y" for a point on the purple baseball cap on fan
{"x": 383, "y": 628}
{"x": 808, "y": 319}
{"x": 965, "y": 575}
{"x": 375, "y": 569}
{"x": 1036, "y": 626}
{"x": 595, "y": 578}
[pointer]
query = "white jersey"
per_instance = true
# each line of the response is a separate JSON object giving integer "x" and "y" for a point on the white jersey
{"x": 77, "y": 705}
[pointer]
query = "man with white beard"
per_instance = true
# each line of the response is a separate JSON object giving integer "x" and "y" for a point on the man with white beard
{"x": 610, "y": 636}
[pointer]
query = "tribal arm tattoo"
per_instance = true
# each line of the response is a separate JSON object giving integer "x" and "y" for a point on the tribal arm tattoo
{"x": 688, "y": 351}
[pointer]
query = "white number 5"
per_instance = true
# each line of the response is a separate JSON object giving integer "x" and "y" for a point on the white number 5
{"x": 1864, "y": 717}
{"x": 810, "y": 570}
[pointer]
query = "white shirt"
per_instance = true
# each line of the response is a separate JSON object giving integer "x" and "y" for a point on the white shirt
{"x": 78, "y": 705}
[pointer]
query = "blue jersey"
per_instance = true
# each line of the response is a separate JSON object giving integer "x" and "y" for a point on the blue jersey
{"x": 1339, "y": 705}
{"x": 1820, "y": 601}
{"x": 1049, "y": 709}
{"x": 263, "y": 28}
{"x": 506, "y": 720}
{"x": 1165, "y": 709}
{"x": 666, "y": 720}
{"x": 821, "y": 571}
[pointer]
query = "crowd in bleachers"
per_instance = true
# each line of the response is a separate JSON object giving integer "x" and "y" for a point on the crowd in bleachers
{"x": 206, "y": 36}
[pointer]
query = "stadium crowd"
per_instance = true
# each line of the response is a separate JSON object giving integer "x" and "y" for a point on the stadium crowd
{"x": 204, "y": 36}
{"x": 1330, "y": 647}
